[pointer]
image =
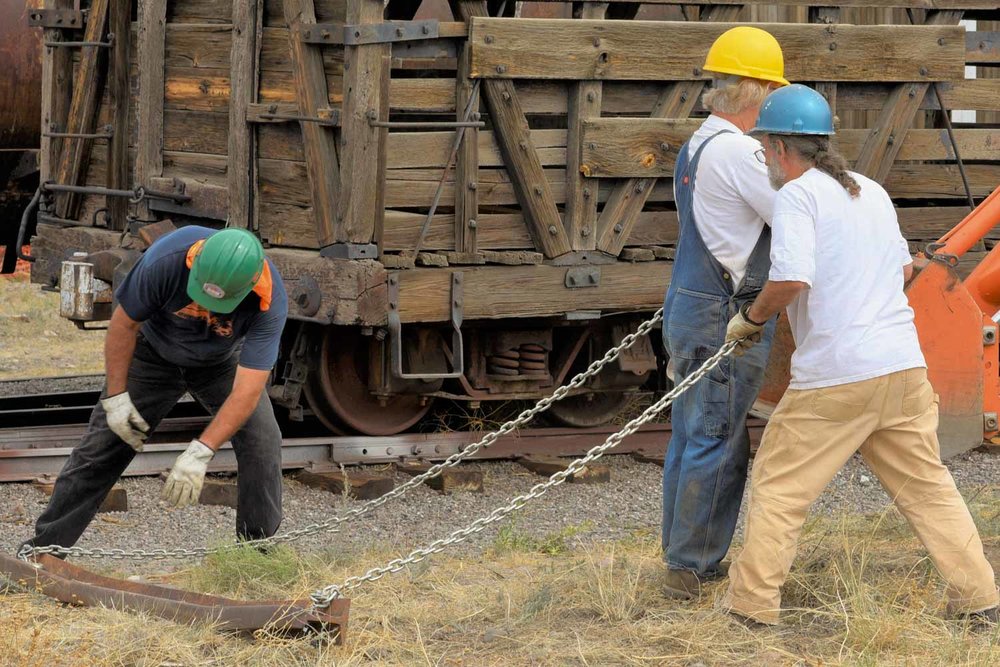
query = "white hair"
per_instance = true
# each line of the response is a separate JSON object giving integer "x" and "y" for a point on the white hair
{"x": 734, "y": 94}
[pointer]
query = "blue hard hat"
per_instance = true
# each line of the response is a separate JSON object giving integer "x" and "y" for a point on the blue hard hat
{"x": 794, "y": 109}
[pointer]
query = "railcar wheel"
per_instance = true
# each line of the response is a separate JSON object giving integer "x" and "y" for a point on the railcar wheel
{"x": 338, "y": 391}
{"x": 588, "y": 410}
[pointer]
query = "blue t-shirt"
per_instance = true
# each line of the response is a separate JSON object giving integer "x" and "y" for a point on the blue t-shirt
{"x": 155, "y": 293}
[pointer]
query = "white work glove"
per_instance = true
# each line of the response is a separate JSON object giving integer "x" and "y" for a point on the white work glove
{"x": 125, "y": 420}
{"x": 188, "y": 475}
{"x": 741, "y": 329}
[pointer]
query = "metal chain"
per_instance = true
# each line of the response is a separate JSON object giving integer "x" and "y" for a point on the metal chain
{"x": 324, "y": 596}
{"x": 332, "y": 524}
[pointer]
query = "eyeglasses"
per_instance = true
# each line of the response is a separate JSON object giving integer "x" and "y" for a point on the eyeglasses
{"x": 759, "y": 154}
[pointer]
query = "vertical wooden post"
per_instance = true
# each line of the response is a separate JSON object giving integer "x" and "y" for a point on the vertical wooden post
{"x": 120, "y": 94}
{"x": 57, "y": 76}
{"x": 581, "y": 193}
{"x": 383, "y": 147}
{"x": 359, "y": 140}
{"x": 467, "y": 167}
{"x": 827, "y": 15}
{"x": 149, "y": 114}
{"x": 242, "y": 91}
{"x": 318, "y": 141}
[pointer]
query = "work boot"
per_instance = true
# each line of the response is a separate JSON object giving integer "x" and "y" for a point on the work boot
{"x": 987, "y": 619}
{"x": 682, "y": 584}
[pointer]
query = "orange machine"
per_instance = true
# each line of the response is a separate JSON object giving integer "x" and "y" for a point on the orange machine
{"x": 957, "y": 332}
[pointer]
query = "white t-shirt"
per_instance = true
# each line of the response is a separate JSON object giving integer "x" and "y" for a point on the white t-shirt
{"x": 854, "y": 322}
{"x": 733, "y": 198}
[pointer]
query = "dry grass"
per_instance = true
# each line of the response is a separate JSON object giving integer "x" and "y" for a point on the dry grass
{"x": 35, "y": 341}
{"x": 862, "y": 593}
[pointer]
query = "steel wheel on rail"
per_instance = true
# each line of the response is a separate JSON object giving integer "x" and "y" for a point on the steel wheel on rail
{"x": 589, "y": 410}
{"x": 338, "y": 390}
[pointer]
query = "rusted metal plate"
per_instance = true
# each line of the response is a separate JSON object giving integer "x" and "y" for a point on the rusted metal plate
{"x": 21, "y": 82}
{"x": 74, "y": 585}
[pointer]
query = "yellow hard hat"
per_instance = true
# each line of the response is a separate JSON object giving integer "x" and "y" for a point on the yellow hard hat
{"x": 747, "y": 51}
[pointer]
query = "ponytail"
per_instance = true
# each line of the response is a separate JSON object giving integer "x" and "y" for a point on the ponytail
{"x": 817, "y": 149}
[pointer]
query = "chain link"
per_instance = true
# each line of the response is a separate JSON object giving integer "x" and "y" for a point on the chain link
{"x": 332, "y": 524}
{"x": 324, "y": 596}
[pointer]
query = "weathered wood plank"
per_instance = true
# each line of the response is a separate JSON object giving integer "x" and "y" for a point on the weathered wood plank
{"x": 982, "y": 47}
{"x": 532, "y": 189}
{"x": 467, "y": 165}
{"x": 359, "y": 139}
{"x": 320, "y": 147}
{"x": 584, "y": 103}
{"x": 150, "y": 40}
{"x": 913, "y": 4}
{"x": 657, "y": 50}
{"x": 57, "y": 71}
{"x": 243, "y": 77}
{"x": 886, "y": 137}
{"x": 117, "y": 176}
{"x": 636, "y": 147}
{"x": 494, "y": 292}
{"x": 627, "y": 200}
{"x": 88, "y": 86}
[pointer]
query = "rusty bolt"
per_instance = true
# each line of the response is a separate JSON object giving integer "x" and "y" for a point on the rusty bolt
{"x": 357, "y": 33}
{"x": 538, "y": 190}
{"x": 597, "y": 41}
{"x": 940, "y": 41}
{"x": 664, "y": 146}
{"x": 891, "y": 140}
{"x": 696, "y": 71}
{"x": 501, "y": 69}
{"x": 505, "y": 95}
{"x": 619, "y": 228}
{"x": 472, "y": 224}
{"x": 523, "y": 145}
{"x": 399, "y": 32}
{"x": 593, "y": 146}
{"x": 473, "y": 185}
{"x": 325, "y": 34}
{"x": 307, "y": 34}
{"x": 923, "y": 71}
{"x": 585, "y": 232}
{"x": 684, "y": 97}
{"x": 552, "y": 230}
{"x": 833, "y": 46}
{"x": 425, "y": 30}
{"x": 586, "y": 193}
{"x": 488, "y": 39}
{"x": 640, "y": 187}
{"x": 590, "y": 97}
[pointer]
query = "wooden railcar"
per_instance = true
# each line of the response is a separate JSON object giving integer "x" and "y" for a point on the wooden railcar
{"x": 469, "y": 200}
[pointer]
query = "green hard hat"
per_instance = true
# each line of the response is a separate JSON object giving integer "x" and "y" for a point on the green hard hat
{"x": 226, "y": 270}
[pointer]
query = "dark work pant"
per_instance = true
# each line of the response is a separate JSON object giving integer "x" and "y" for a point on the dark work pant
{"x": 155, "y": 386}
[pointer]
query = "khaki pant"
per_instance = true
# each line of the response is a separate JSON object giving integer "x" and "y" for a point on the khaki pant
{"x": 893, "y": 420}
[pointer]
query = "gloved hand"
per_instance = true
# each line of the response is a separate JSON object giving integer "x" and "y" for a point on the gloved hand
{"x": 125, "y": 420}
{"x": 742, "y": 329}
{"x": 188, "y": 475}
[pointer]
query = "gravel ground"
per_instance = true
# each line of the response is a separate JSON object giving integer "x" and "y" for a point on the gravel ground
{"x": 604, "y": 511}
{"x": 50, "y": 385}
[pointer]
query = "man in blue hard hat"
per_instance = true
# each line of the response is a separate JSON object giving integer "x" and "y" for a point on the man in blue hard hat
{"x": 722, "y": 262}
{"x": 859, "y": 381}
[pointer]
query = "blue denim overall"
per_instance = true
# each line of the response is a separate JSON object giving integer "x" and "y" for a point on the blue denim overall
{"x": 706, "y": 463}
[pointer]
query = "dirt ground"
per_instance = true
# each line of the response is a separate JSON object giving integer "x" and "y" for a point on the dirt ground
{"x": 34, "y": 340}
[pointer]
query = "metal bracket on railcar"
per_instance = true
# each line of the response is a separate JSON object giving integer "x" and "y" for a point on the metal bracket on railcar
{"x": 70, "y": 19}
{"x": 396, "y": 332}
{"x": 350, "y": 251}
{"x": 369, "y": 33}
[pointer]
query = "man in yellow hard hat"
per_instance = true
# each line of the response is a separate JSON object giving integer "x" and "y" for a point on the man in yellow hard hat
{"x": 722, "y": 262}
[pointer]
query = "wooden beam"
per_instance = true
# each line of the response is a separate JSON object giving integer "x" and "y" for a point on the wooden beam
{"x": 242, "y": 77}
{"x": 511, "y": 130}
{"x": 57, "y": 75}
{"x": 359, "y": 139}
{"x": 467, "y": 166}
{"x": 88, "y": 86}
{"x": 629, "y": 197}
{"x": 647, "y": 147}
{"x": 149, "y": 106}
{"x": 886, "y": 137}
{"x": 320, "y": 146}
{"x": 119, "y": 24}
{"x": 584, "y": 103}
{"x": 657, "y": 50}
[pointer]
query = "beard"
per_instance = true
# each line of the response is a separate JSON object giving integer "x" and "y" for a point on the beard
{"x": 776, "y": 175}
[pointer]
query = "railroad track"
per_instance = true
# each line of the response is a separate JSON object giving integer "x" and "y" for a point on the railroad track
{"x": 39, "y": 431}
